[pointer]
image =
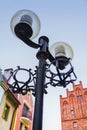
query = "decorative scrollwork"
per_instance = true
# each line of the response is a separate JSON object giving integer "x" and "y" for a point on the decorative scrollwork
{"x": 22, "y": 87}
{"x": 60, "y": 78}
{"x": 54, "y": 77}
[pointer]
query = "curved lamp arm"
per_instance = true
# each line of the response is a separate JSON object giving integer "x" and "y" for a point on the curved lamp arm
{"x": 27, "y": 40}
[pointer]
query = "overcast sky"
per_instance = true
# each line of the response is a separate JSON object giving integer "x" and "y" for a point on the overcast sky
{"x": 61, "y": 20}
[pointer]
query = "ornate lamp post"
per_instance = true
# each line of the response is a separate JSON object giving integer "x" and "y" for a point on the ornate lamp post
{"x": 26, "y": 25}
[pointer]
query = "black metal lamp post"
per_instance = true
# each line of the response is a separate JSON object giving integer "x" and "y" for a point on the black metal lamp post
{"x": 26, "y": 25}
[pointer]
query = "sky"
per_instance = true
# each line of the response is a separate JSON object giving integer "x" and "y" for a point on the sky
{"x": 61, "y": 20}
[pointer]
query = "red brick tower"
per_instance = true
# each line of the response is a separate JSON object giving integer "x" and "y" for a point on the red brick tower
{"x": 74, "y": 108}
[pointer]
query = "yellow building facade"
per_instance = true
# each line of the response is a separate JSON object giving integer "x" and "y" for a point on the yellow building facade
{"x": 8, "y": 107}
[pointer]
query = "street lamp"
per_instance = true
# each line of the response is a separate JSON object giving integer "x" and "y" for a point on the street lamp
{"x": 26, "y": 25}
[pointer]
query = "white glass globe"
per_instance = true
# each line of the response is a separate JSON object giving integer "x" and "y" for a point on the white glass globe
{"x": 26, "y": 17}
{"x": 61, "y": 49}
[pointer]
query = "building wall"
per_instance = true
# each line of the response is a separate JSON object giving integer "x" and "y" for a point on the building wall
{"x": 21, "y": 120}
{"x": 5, "y": 125}
{"x": 74, "y": 108}
{"x": 7, "y": 100}
{"x": 28, "y": 101}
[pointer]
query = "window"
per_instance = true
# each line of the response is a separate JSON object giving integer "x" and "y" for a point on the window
{"x": 71, "y": 98}
{"x": 25, "y": 112}
{"x": 79, "y": 97}
{"x": 72, "y": 112}
{"x": 74, "y": 124}
{"x": 6, "y": 112}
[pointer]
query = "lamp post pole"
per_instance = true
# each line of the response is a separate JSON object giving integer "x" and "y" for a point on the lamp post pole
{"x": 39, "y": 87}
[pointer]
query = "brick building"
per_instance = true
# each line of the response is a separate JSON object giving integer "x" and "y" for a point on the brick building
{"x": 74, "y": 108}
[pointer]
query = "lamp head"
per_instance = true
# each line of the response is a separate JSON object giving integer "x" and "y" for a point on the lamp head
{"x": 62, "y": 52}
{"x": 27, "y": 22}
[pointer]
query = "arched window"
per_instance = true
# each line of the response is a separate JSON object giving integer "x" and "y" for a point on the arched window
{"x": 65, "y": 109}
{"x": 78, "y": 94}
{"x": 65, "y": 103}
{"x": 78, "y": 91}
{"x": 71, "y": 98}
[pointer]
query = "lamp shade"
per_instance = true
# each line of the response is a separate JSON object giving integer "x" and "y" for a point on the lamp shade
{"x": 27, "y": 21}
{"x": 61, "y": 49}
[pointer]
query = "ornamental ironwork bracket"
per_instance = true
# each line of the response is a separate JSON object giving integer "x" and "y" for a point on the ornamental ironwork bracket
{"x": 55, "y": 79}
